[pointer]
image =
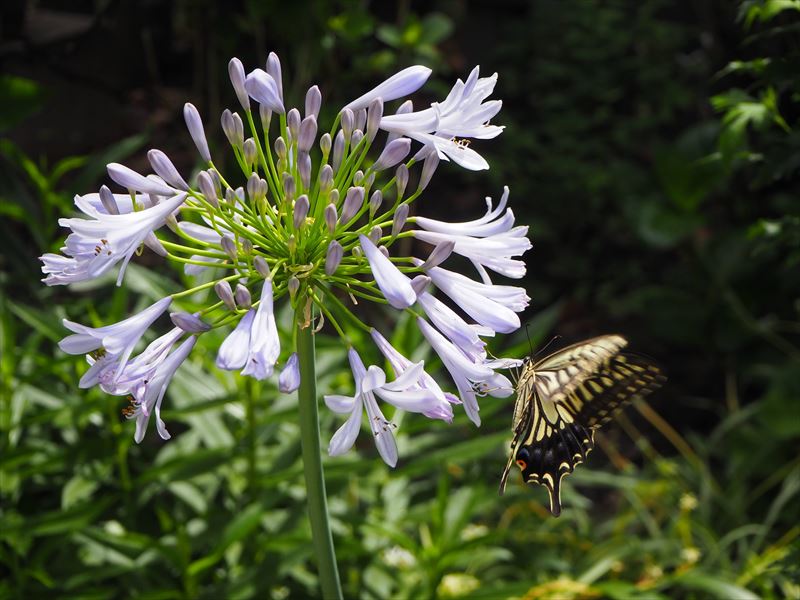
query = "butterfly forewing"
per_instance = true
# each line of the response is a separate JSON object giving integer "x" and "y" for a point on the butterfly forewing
{"x": 563, "y": 398}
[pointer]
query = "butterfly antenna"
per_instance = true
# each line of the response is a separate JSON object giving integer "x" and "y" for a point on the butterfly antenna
{"x": 528, "y": 335}
{"x": 547, "y": 345}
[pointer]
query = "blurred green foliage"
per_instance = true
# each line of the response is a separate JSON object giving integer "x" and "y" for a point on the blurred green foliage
{"x": 653, "y": 149}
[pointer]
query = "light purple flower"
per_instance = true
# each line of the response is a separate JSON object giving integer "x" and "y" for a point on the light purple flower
{"x": 265, "y": 345}
{"x": 289, "y": 379}
{"x": 150, "y": 396}
{"x": 264, "y": 90}
{"x": 97, "y": 244}
{"x": 400, "y": 84}
{"x": 394, "y": 286}
{"x": 195, "y": 126}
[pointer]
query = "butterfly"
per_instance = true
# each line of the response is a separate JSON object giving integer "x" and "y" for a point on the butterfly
{"x": 563, "y": 399}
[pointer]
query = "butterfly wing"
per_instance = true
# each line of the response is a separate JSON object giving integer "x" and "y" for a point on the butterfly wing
{"x": 563, "y": 398}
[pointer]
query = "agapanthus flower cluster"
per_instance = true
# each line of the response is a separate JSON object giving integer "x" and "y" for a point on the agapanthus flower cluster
{"x": 310, "y": 219}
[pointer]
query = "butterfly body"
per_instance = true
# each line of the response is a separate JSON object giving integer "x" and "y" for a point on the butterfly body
{"x": 563, "y": 399}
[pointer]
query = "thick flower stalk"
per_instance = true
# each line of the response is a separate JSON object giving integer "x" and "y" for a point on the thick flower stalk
{"x": 313, "y": 220}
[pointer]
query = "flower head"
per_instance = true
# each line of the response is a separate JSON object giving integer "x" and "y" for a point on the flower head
{"x": 314, "y": 221}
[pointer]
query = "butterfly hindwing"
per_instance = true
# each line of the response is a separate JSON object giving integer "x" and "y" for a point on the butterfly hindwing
{"x": 561, "y": 401}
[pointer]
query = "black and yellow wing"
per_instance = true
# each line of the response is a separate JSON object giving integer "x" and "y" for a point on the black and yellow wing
{"x": 561, "y": 401}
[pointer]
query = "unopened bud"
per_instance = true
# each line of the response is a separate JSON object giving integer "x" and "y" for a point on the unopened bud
{"x": 280, "y": 148}
{"x": 384, "y": 250}
{"x": 358, "y": 177}
{"x": 304, "y": 169}
{"x": 419, "y": 283}
{"x": 195, "y": 126}
{"x": 229, "y": 247}
{"x": 289, "y": 187}
{"x": 172, "y": 223}
{"x": 375, "y": 202}
{"x": 325, "y": 178}
{"x": 330, "y": 217}
{"x": 291, "y": 244}
{"x": 230, "y": 197}
{"x": 374, "y": 118}
{"x": 352, "y": 204}
{"x": 369, "y": 180}
{"x": 108, "y": 200}
{"x": 401, "y": 178}
{"x": 375, "y": 234}
{"x": 225, "y": 293}
{"x": 261, "y": 266}
{"x": 164, "y": 168}
{"x": 254, "y": 190}
{"x": 394, "y": 152}
{"x": 247, "y": 246}
{"x": 307, "y": 133}
{"x": 347, "y": 123}
{"x": 356, "y": 138}
{"x": 207, "y": 188}
{"x": 360, "y": 120}
{"x": 313, "y": 102}
{"x": 300, "y": 211}
{"x": 238, "y": 128}
{"x": 242, "y": 296}
{"x": 250, "y": 152}
{"x": 333, "y": 257}
{"x": 293, "y": 286}
{"x": 439, "y": 254}
{"x": 289, "y": 379}
{"x": 338, "y": 151}
{"x": 236, "y": 73}
{"x": 428, "y": 169}
{"x": 325, "y": 145}
{"x": 228, "y": 128}
{"x": 274, "y": 69}
{"x": 333, "y": 197}
{"x": 188, "y": 322}
{"x": 399, "y": 221}
{"x": 293, "y": 122}
{"x": 357, "y": 251}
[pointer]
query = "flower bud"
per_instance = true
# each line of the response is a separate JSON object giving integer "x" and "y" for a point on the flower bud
{"x": 357, "y": 252}
{"x": 254, "y": 190}
{"x": 400, "y": 84}
{"x": 238, "y": 127}
{"x": 250, "y": 152}
{"x": 428, "y": 169}
{"x": 131, "y": 180}
{"x": 374, "y": 115}
{"x": 195, "y": 126}
{"x": 352, "y": 204}
{"x": 300, "y": 211}
{"x": 306, "y": 134}
{"x": 293, "y": 122}
{"x": 289, "y": 187}
{"x": 164, "y": 168}
{"x": 313, "y": 102}
{"x": 360, "y": 118}
{"x": 338, "y": 151}
{"x": 280, "y": 148}
{"x": 274, "y": 70}
{"x": 261, "y": 266}
{"x": 333, "y": 197}
{"x": 439, "y": 254}
{"x": 347, "y": 123}
{"x": 375, "y": 202}
{"x": 325, "y": 145}
{"x": 333, "y": 257}
{"x": 108, "y": 200}
{"x": 304, "y": 169}
{"x": 369, "y": 180}
{"x": 291, "y": 244}
{"x": 230, "y": 197}
{"x": 188, "y": 322}
{"x": 358, "y": 177}
{"x": 207, "y": 188}
{"x": 293, "y": 286}
{"x": 247, "y": 246}
{"x": 229, "y": 247}
{"x": 242, "y": 296}
{"x": 236, "y": 73}
{"x": 399, "y": 221}
{"x": 384, "y": 250}
{"x": 172, "y": 223}
{"x": 225, "y": 293}
{"x": 325, "y": 178}
{"x": 375, "y": 234}
{"x": 289, "y": 379}
{"x": 263, "y": 88}
{"x": 330, "y": 217}
{"x": 394, "y": 152}
{"x": 226, "y": 120}
{"x": 401, "y": 178}
{"x": 419, "y": 283}
{"x": 356, "y": 138}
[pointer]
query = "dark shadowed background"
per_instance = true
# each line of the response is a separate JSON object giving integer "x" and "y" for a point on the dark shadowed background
{"x": 651, "y": 147}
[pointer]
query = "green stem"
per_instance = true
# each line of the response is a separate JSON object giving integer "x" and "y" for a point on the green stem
{"x": 312, "y": 464}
